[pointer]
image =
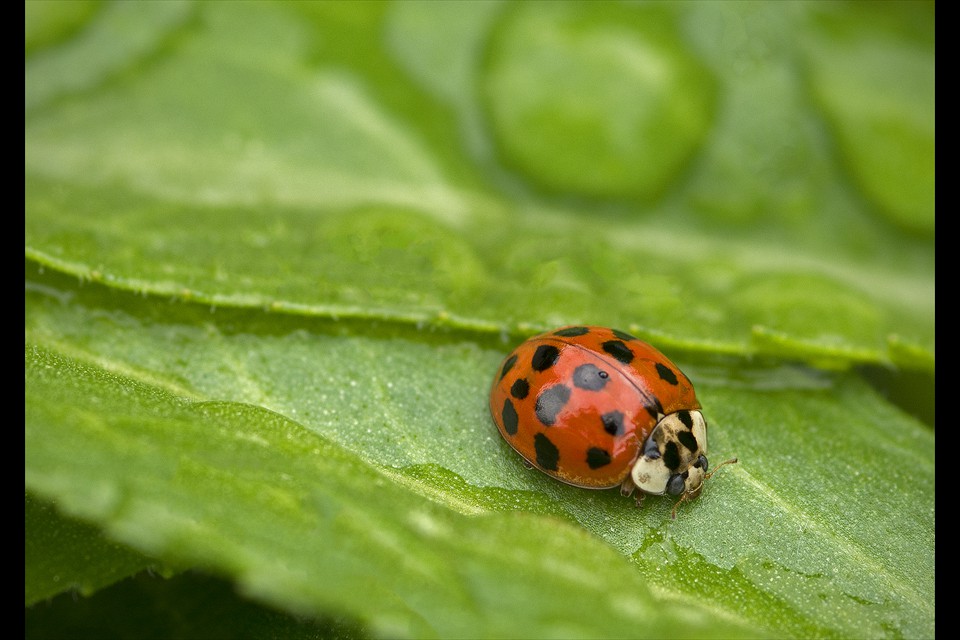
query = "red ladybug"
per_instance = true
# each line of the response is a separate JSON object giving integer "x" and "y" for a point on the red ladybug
{"x": 596, "y": 407}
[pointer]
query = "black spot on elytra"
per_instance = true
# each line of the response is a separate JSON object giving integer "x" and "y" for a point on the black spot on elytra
{"x": 687, "y": 439}
{"x": 597, "y": 457}
{"x": 547, "y": 453}
{"x": 571, "y": 332}
{"x": 590, "y": 377}
{"x": 613, "y": 423}
{"x": 507, "y": 365}
{"x": 544, "y": 357}
{"x": 618, "y": 350}
{"x": 509, "y": 417}
{"x": 671, "y": 456}
{"x": 520, "y": 389}
{"x": 666, "y": 374}
{"x": 623, "y": 335}
{"x": 550, "y": 403}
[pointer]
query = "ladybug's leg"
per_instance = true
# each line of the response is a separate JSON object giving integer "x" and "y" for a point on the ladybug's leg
{"x": 527, "y": 463}
{"x": 627, "y": 487}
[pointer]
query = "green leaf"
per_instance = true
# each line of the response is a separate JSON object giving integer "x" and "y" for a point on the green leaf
{"x": 303, "y": 523}
{"x": 318, "y": 207}
{"x": 189, "y": 605}
{"x": 387, "y": 455}
{"x": 62, "y": 554}
{"x": 276, "y": 251}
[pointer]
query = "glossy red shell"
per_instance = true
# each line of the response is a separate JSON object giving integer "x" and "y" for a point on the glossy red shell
{"x": 579, "y": 402}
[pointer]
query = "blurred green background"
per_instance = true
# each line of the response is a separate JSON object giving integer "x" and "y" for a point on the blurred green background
{"x": 274, "y": 252}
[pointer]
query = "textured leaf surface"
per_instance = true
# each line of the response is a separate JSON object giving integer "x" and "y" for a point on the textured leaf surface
{"x": 302, "y": 522}
{"x": 275, "y": 252}
{"x": 276, "y": 456}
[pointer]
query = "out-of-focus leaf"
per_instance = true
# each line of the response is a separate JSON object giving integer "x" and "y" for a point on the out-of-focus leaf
{"x": 341, "y": 204}
{"x": 61, "y": 554}
{"x": 189, "y": 605}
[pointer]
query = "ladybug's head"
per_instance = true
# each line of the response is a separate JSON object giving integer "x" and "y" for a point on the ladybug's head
{"x": 674, "y": 459}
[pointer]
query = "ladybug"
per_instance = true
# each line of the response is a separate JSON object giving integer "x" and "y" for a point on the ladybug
{"x": 598, "y": 408}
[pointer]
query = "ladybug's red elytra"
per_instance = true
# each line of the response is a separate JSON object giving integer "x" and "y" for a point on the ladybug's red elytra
{"x": 596, "y": 407}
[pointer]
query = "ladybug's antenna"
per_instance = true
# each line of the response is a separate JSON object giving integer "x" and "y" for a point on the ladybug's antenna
{"x": 730, "y": 461}
{"x": 690, "y": 495}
